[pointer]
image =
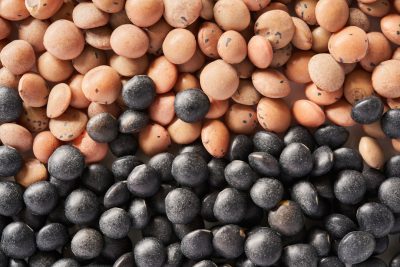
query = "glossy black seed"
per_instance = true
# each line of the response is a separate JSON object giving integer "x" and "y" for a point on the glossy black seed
{"x": 123, "y": 166}
{"x": 139, "y": 92}
{"x": 182, "y": 206}
{"x": 216, "y": 168}
{"x": 392, "y": 167}
{"x": 159, "y": 227}
{"x": 81, "y": 206}
{"x": 183, "y": 229}
{"x": 239, "y": 175}
{"x": 371, "y": 262}
{"x": 286, "y": 218}
{"x": 63, "y": 187}
{"x": 296, "y": 160}
{"x": 266, "y": 193}
{"x": 143, "y": 181}
{"x": 356, "y": 247}
{"x": 51, "y": 237}
{"x": 228, "y": 241}
{"x": 373, "y": 178}
{"x": 41, "y": 197}
{"x": 230, "y": 206}
{"x": 115, "y": 223}
{"x": 395, "y": 262}
{"x": 367, "y": 110}
{"x": 197, "y": 245}
{"x": 10, "y": 161}
{"x": 389, "y": 193}
{"x": 299, "y": 134}
{"x": 132, "y": 121}
{"x": 191, "y": 105}
{"x": 189, "y": 169}
{"x": 305, "y": 194}
{"x": 149, "y": 252}
{"x": 102, "y": 128}
{"x": 240, "y": 147}
{"x": 321, "y": 241}
{"x": 264, "y": 164}
{"x": 350, "y": 187}
{"x": 323, "y": 161}
{"x": 10, "y": 105}
{"x": 32, "y": 220}
{"x": 157, "y": 202}
{"x": 339, "y": 225}
{"x": 87, "y": 244}
{"x": 98, "y": 178}
{"x": 196, "y": 147}
{"x": 162, "y": 163}
{"x": 347, "y": 159}
{"x": 21, "y": 263}
{"x": 67, "y": 262}
{"x": 66, "y": 163}
{"x": 125, "y": 260}
{"x": 300, "y": 255}
{"x": 375, "y": 218}
{"x": 140, "y": 213}
{"x": 331, "y": 261}
{"x": 390, "y": 123}
{"x": 324, "y": 186}
{"x": 117, "y": 195}
{"x": 124, "y": 145}
{"x": 331, "y": 135}
{"x": 11, "y": 198}
{"x": 43, "y": 259}
{"x": 174, "y": 255}
{"x": 207, "y": 207}
{"x": 114, "y": 248}
{"x": 381, "y": 245}
{"x": 268, "y": 142}
{"x": 18, "y": 241}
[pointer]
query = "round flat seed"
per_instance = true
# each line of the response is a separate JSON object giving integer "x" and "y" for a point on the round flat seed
{"x": 59, "y": 100}
{"x": 69, "y": 125}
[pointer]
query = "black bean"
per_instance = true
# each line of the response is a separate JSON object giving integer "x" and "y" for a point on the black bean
{"x": 51, "y": 237}
{"x": 98, "y": 178}
{"x": 115, "y": 223}
{"x": 305, "y": 194}
{"x": 125, "y": 260}
{"x": 347, "y": 159}
{"x": 321, "y": 241}
{"x": 189, "y": 169}
{"x": 143, "y": 181}
{"x": 392, "y": 167}
{"x": 81, "y": 206}
{"x": 381, "y": 245}
{"x": 207, "y": 207}
{"x": 157, "y": 202}
{"x": 375, "y": 218}
{"x": 63, "y": 187}
{"x": 268, "y": 142}
{"x": 66, "y": 163}
{"x": 286, "y": 218}
{"x": 265, "y": 164}
{"x": 239, "y": 175}
{"x": 299, "y": 134}
{"x": 339, "y": 225}
{"x": 114, "y": 248}
{"x": 390, "y": 123}
{"x": 159, "y": 227}
{"x": 139, "y": 92}
{"x": 182, "y": 206}
{"x": 10, "y": 161}
{"x": 191, "y": 105}
{"x": 296, "y": 160}
{"x": 228, "y": 241}
{"x": 102, "y": 128}
{"x": 149, "y": 252}
{"x": 41, "y": 197}
{"x": 10, "y": 105}
{"x": 323, "y": 161}
{"x": 162, "y": 163}
{"x": 123, "y": 166}
{"x": 230, "y": 206}
{"x": 367, "y": 110}
{"x": 132, "y": 121}
{"x": 18, "y": 241}
{"x": 140, "y": 213}
{"x": 216, "y": 168}
{"x": 43, "y": 259}
{"x": 389, "y": 193}
{"x": 331, "y": 261}
{"x": 87, "y": 244}
{"x": 174, "y": 255}
{"x": 197, "y": 245}
{"x": 331, "y": 135}
{"x": 356, "y": 247}
{"x": 300, "y": 255}
{"x": 350, "y": 187}
{"x": 371, "y": 262}
{"x": 181, "y": 230}
{"x": 11, "y": 198}
{"x": 66, "y": 262}
{"x": 124, "y": 145}
{"x": 240, "y": 147}
{"x": 266, "y": 193}
{"x": 117, "y": 195}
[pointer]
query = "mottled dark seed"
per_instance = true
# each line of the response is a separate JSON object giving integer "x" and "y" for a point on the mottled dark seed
{"x": 228, "y": 241}
{"x": 356, "y": 247}
{"x": 11, "y": 198}
{"x": 207, "y": 206}
{"x": 87, "y": 244}
{"x": 124, "y": 145}
{"x": 114, "y": 248}
{"x": 63, "y": 187}
{"x": 191, "y": 105}
{"x": 98, "y": 178}
{"x": 266, "y": 193}
{"x": 391, "y": 123}
{"x": 392, "y": 167}
{"x": 267, "y": 142}
{"x": 331, "y": 261}
{"x": 81, "y": 206}
{"x": 389, "y": 193}
{"x": 181, "y": 206}
{"x": 321, "y": 241}
{"x": 300, "y": 255}
{"x": 132, "y": 121}
{"x": 140, "y": 213}
{"x": 196, "y": 147}
{"x": 10, "y": 161}
{"x": 375, "y": 218}
{"x": 230, "y": 206}
{"x": 264, "y": 164}
{"x": 339, "y": 225}
{"x": 117, "y": 195}
{"x": 324, "y": 186}
{"x": 367, "y": 110}
{"x": 197, "y": 245}
{"x": 371, "y": 262}
{"x": 125, "y": 260}
{"x": 115, "y": 223}
{"x": 122, "y": 167}
{"x": 18, "y": 241}
{"x": 66, "y": 163}
{"x": 189, "y": 169}
{"x": 373, "y": 178}
{"x": 239, "y": 175}
{"x": 162, "y": 163}
{"x": 216, "y": 168}
{"x": 323, "y": 161}
{"x": 159, "y": 227}
{"x": 138, "y": 93}
{"x": 296, "y": 160}
{"x": 143, "y": 181}
{"x": 240, "y": 148}
{"x": 41, "y": 197}
{"x": 43, "y": 259}
{"x": 331, "y": 135}
{"x": 286, "y": 218}
{"x": 66, "y": 263}
{"x": 102, "y": 128}
{"x": 149, "y": 252}
{"x": 347, "y": 159}
{"x": 10, "y": 105}
{"x": 174, "y": 255}
{"x": 350, "y": 187}
{"x": 299, "y": 134}
{"x": 305, "y": 194}
{"x": 51, "y": 237}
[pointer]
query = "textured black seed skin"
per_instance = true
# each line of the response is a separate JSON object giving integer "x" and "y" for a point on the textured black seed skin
{"x": 143, "y": 181}
{"x": 18, "y": 241}
{"x": 266, "y": 193}
{"x": 240, "y": 147}
{"x": 347, "y": 159}
{"x": 117, "y": 195}
{"x": 191, "y": 105}
{"x": 132, "y": 121}
{"x": 125, "y": 260}
{"x": 140, "y": 213}
{"x": 299, "y": 134}
{"x": 196, "y": 147}
{"x": 390, "y": 123}
{"x": 197, "y": 245}
{"x": 63, "y": 187}
{"x": 300, "y": 255}
{"x": 263, "y": 246}
{"x": 296, "y": 160}
{"x": 331, "y": 135}
{"x": 41, "y": 197}
{"x": 339, "y": 225}
{"x": 51, "y": 237}
{"x": 264, "y": 164}
{"x": 98, "y": 178}
{"x": 268, "y": 142}
{"x": 367, "y": 110}
{"x": 228, "y": 241}
{"x": 66, "y": 262}
{"x": 43, "y": 259}
{"x": 81, "y": 206}
{"x": 389, "y": 193}
{"x": 230, "y": 206}
{"x": 321, "y": 241}
{"x": 306, "y": 195}
{"x": 323, "y": 161}
{"x": 371, "y": 262}
{"x": 11, "y": 198}
{"x": 10, "y": 105}
{"x": 373, "y": 178}
{"x": 159, "y": 227}
{"x": 122, "y": 167}
{"x": 356, "y": 247}
{"x": 87, "y": 244}
{"x": 216, "y": 168}
{"x": 331, "y": 261}
{"x": 182, "y": 206}
{"x": 149, "y": 252}
{"x": 138, "y": 93}
{"x": 392, "y": 167}
{"x": 102, "y": 128}
{"x": 286, "y": 218}
{"x": 174, "y": 255}
{"x": 124, "y": 145}
{"x": 162, "y": 163}
{"x": 189, "y": 169}
{"x": 66, "y": 163}
{"x": 350, "y": 187}
{"x": 115, "y": 223}
{"x": 375, "y": 218}
{"x": 10, "y": 161}
{"x": 239, "y": 175}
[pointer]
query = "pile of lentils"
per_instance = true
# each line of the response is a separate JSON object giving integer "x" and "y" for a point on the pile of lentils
{"x": 166, "y": 133}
